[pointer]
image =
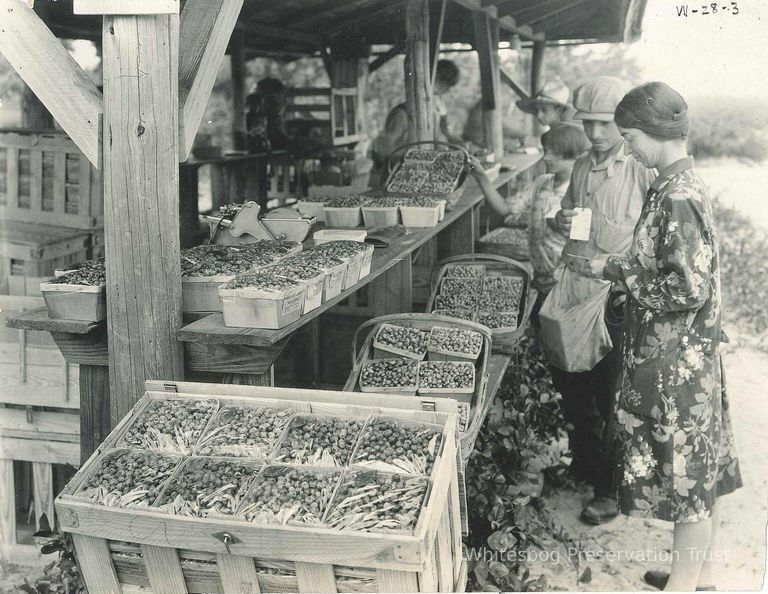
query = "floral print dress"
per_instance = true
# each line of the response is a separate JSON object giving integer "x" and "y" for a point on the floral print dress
{"x": 673, "y": 430}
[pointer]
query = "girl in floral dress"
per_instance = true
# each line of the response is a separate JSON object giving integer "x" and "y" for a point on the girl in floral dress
{"x": 673, "y": 430}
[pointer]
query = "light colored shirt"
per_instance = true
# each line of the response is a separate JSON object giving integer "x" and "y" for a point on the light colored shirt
{"x": 545, "y": 244}
{"x": 615, "y": 191}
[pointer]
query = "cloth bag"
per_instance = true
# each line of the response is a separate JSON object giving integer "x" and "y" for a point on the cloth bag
{"x": 574, "y": 335}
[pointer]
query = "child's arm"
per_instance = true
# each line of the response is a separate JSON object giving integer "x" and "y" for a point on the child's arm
{"x": 492, "y": 197}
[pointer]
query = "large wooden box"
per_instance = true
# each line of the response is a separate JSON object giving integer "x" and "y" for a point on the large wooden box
{"x": 39, "y": 417}
{"x": 30, "y": 253}
{"x": 45, "y": 179}
{"x": 120, "y": 548}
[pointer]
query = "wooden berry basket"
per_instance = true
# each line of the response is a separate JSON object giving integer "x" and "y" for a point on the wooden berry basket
{"x": 479, "y": 400}
{"x": 235, "y": 551}
{"x": 504, "y": 340}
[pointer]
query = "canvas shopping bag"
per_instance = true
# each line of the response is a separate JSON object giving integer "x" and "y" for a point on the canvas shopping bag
{"x": 573, "y": 331}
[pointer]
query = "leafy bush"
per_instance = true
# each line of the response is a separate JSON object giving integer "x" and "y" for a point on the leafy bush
{"x": 743, "y": 270}
{"x": 504, "y": 478}
{"x": 728, "y": 128}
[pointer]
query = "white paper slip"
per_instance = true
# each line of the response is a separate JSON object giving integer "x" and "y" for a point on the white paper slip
{"x": 581, "y": 224}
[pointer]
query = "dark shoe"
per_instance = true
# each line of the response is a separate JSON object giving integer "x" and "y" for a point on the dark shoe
{"x": 658, "y": 579}
{"x": 600, "y": 510}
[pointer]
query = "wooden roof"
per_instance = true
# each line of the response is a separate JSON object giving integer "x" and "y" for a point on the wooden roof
{"x": 300, "y": 27}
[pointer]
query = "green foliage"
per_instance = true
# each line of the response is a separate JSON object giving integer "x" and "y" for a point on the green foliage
{"x": 729, "y": 127}
{"x": 61, "y": 576}
{"x": 506, "y": 515}
{"x": 743, "y": 270}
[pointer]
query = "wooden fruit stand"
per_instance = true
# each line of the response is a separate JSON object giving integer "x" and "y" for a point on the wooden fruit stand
{"x": 160, "y": 62}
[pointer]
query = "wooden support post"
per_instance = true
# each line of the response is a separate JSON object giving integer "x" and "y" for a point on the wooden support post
{"x": 487, "y": 46}
{"x": 392, "y": 291}
{"x": 141, "y": 204}
{"x": 237, "y": 66}
{"x": 418, "y": 74}
{"x": 7, "y": 502}
{"x": 206, "y": 26}
{"x": 537, "y": 68}
{"x": 95, "y": 422}
{"x": 537, "y": 65}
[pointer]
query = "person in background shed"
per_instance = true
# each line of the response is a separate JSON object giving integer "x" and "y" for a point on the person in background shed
{"x": 580, "y": 319}
{"x": 395, "y": 133}
{"x": 550, "y": 105}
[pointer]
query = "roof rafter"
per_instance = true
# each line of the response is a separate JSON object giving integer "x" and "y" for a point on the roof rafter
{"x": 53, "y": 75}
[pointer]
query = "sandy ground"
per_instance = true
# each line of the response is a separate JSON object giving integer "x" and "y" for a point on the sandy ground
{"x": 621, "y": 551}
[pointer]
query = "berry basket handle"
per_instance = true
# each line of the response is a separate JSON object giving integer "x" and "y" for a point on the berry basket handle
{"x": 402, "y": 317}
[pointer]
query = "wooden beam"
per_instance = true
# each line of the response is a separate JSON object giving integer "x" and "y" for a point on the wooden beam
{"x": 510, "y": 80}
{"x": 265, "y": 30}
{"x": 537, "y": 65}
{"x": 418, "y": 87}
{"x": 136, "y": 7}
{"x": 237, "y": 66}
{"x": 141, "y": 204}
{"x": 52, "y": 73}
{"x": 385, "y": 57}
{"x": 206, "y": 26}
{"x": 506, "y": 22}
{"x": 487, "y": 45}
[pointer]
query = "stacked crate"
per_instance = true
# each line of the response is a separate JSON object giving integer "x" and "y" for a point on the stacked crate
{"x": 51, "y": 205}
{"x": 39, "y": 419}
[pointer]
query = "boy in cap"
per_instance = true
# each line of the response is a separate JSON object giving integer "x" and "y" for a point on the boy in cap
{"x": 550, "y": 104}
{"x": 613, "y": 185}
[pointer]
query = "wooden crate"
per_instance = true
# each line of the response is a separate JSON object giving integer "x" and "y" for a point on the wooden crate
{"x": 504, "y": 340}
{"x": 331, "y": 113}
{"x": 29, "y": 254}
{"x": 312, "y": 559}
{"x": 39, "y": 415}
{"x": 45, "y": 179}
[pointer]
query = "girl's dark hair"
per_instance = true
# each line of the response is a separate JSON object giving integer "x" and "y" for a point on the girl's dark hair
{"x": 566, "y": 139}
{"x": 447, "y": 72}
{"x": 656, "y": 109}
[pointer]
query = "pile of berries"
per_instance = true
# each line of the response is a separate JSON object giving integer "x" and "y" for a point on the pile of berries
{"x": 446, "y": 374}
{"x": 455, "y": 340}
{"x": 265, "y": 281}
{"x": 389, "y": 373}
{"x": 319, "y": 440}
{"x": 407, "y": 448}
{"x": 170, "y": 425}
{"x": 404, "y": 338}
{"x": 91, "y": 273}
{"x": 244, "y": 431}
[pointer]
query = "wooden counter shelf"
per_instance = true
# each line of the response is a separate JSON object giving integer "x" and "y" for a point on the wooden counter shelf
{"x": 247, "y": 355}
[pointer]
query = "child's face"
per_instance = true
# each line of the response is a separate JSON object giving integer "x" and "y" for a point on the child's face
{"x": 603, "y": 135}
{"x": 557, "y": 164}
{"x": 547, "y": 114}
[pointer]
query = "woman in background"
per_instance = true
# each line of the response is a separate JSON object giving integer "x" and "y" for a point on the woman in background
{"x": 673, "y": 431}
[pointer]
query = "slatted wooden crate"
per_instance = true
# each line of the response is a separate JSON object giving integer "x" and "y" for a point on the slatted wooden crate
{"x": 39, "y": 414}
{"x": 330, "y": 113}
{"x": 29, "y": 254}
{"x": 180, "y": 554}
{"x": 45, "y": 179}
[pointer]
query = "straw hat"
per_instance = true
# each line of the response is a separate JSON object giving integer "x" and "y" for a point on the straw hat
{"x": 554, "y": 92}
